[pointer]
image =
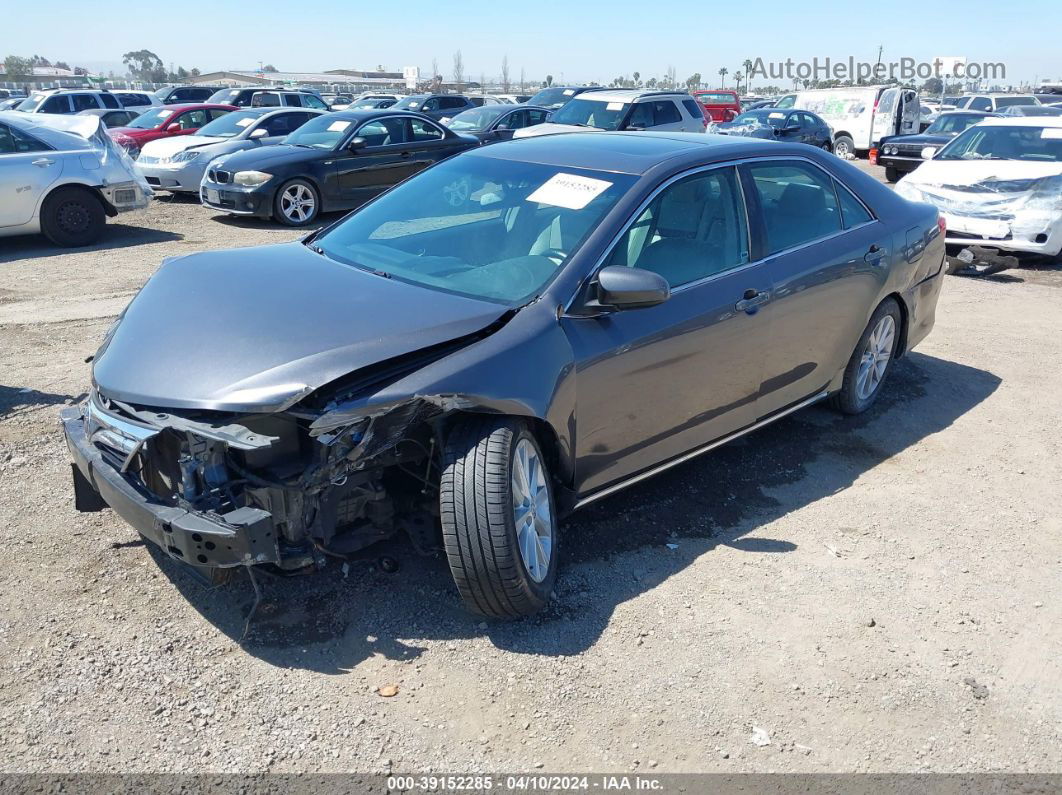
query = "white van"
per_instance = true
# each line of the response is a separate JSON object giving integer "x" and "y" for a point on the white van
{"x": 860, "y": 116}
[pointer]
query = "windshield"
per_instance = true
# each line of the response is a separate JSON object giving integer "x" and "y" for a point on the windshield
{"x": 552, "y": 97}
{"x": 476, "y": 119}
{"x": 162, "y": 93}
{"x": 492, "y": 229}
{"x": 773, "y": 118}
{"x": 151, "y": 119}
{"x": 998, "y": 142}
{"x": 229, "y": 125}
{"x": 1037, "y": 110}
{"x": 323, "y": 132}
{"x": 413, "y": 103}
{"x": 224, "y": 95}
{"x": 32, "y": 102}
{"x": 952, "y": 123}
{"x": 592, "y": 113}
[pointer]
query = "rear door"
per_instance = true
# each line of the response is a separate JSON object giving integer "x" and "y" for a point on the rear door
{"x": 825, "y": 257}
{"x": 657, "y": 382}
{"x": 28, "y": 167}
{"x": 886, "y": 115}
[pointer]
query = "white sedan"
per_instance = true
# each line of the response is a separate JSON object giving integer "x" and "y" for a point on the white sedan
{"x": 997, "y": 184}
{"x": 63, "y": 175}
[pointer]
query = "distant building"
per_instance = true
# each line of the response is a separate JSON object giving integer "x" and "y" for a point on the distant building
{"x": 345, "y": 77}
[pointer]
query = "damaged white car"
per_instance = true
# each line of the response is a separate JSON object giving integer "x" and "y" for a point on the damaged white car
{"x": 998, "y": 186}
{"x": 63, "y": 176}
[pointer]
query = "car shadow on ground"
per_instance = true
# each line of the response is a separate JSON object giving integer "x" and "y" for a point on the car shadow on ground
{"x": 613, "y": 551}
{"x": 114, "y": 236}
{"x": 245, "y": 222}
{"x": 18, "y": 400}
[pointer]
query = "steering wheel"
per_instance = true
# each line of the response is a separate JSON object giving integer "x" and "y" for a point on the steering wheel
{"x": 556, "y": 254}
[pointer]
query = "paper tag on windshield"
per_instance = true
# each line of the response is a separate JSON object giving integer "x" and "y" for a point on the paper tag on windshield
{"x": 775, "y": 115}
{"x": 244, "y": 122}
{"x": 568, "y": 92}
{"x": 569, "y": 191}
{"x": 338, "y": 126}
{"x": 1051, "y": 132}
{"x": 614, "y": 106}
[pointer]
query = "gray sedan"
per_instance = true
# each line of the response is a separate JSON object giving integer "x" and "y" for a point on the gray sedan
{"x": 177, "y": 164}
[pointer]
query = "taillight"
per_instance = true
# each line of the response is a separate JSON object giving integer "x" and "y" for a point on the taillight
{"x": 873, "y": 157}
{"x": 942, "y": 225}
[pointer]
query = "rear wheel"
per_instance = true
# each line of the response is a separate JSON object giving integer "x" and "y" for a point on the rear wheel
{"x": 498, "y": 517}
{"x": 296, "y": 203}
{"x": 891, "y": 174}
{"x": 843, "y": 145}
{"x": 871, "y": 361}
{"x": 72, "y": 216}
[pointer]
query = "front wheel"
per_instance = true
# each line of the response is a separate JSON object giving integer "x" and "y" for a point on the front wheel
{"x": 871, "y": 361}
{"x": 891, "y": 174}
{"x": 499, "y": 521}
{"x": 843, "y": 145}
{"x": 296, "y": 203}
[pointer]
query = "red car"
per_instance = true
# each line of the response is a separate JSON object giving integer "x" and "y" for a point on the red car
{"x": 166, "y": 121}
{"x": 719, "y": 104}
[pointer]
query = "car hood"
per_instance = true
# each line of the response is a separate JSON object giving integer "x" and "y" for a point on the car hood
{"x": 551, "y": 129}
{"x": 256, "y": 329}
{"x": 132, "y": 132}
{"x": 278, "y": 154}
{"x": 168, "y": 147}
{"x": 991, "y": 175}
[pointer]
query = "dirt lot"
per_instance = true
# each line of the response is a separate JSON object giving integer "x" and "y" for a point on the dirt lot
{"x": 875, "y": 594}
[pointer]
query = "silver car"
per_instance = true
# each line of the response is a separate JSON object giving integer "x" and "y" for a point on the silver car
{"x": 177, "y": 164}
{"x": 63, "y": 175}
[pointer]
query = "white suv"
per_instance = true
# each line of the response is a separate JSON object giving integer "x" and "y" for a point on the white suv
{"x": 65, "y": 100}
{"x": 594, "y": 111}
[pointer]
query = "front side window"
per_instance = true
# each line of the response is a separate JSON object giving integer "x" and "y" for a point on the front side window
{"x": 281, "y": 124}
{"x": 1017, "y": 99}
{"x": 192, "y": 119}
{"x": 310, "y": 101}
{"x": 84, "y": 102}
{"x": 383, "y": 132}
{"x": 535, "y": 117}
{"x": 980, "y": 103}
{"x": 695, "y": 228}
{"x": 497, "y": 230}
{"x": 60, "y": 103}
{"x": 798, "y": 203}
{"x": 15, "y": 142}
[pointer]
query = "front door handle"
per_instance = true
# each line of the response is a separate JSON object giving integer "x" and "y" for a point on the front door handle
{"x": 406, "y": 155}
{"x": 752, "y": 300}
{"x": 43, "y": 162}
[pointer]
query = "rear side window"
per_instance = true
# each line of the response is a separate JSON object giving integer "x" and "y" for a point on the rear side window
{"x": 448, "y": 103}
{"x": 84, "y": 102}
{"x": 292, "y": 100}
{"x": 798, "y": 203}
{"x": 694, "y": 229}
{"x": 425, "y": 131}
{"x": 665, "y": 112}
{"x": 111, "y": 101}
{"x": 691, "y": 106}
{"x": 853, "y": 213}
{"x": 14, "y": 142}
{"x": 129, "y": 100}
{"x": 535, "y": 117}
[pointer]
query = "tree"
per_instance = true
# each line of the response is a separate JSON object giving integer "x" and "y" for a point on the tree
{"x": 747, "y": 63}
{"x": 637, "y": 80}
{"x": 693, "y": 81}
{"x": 145, "y": 65}
{"x": 670, "y": 77}
{"x": 523, "y": 80}
{"x": 722, "y": 76}
{"x": 80, "y": 70}
{"x": 933, "y": 85}
{"x": 737, "y": 81}
{"x": 650, "y": 83}
{"x": 17, "y": 67}
{"x": 549, "y": 80}
{"x": 62, "y": 65}
{"x": 459, "y": 68}
{"x": 37, "y": 60}
{"x": 435, "y": 74}
{"x": 505, "y": 74}
{"x": 269, "y": 68}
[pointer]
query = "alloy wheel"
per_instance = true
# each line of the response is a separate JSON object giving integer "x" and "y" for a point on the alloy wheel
{"x": 532, "y": 513}
{"x": 297, "y": 203}
{"x": 875, "y": 359}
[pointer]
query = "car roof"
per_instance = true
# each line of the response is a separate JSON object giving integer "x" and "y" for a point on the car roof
{"x": 632, "y": 153}
{"x": 627, "y": 95}
{"x": 364, "y": 114}
{"x": 1022, "y": 121}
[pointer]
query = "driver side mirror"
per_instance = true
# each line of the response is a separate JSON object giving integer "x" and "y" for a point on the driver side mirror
{"x": 357, "y": 142}
{"x": 261, "y": 132}
{"x": 631, "y": 288}
{"x": 791, "y": 127}
{"x": 173, "y": 127}
{"x": 928, "y": 152}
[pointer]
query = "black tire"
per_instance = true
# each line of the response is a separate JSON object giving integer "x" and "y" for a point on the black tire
{"x": 478, "y": 525}
{"x": 843, "y": 144}
{"x": 891, "y": 174}
{"x": 72, "y": 216}
{"x": 279, "y": 199}
{"x": 848, "y": 399}
{"x": 827, "y": 147}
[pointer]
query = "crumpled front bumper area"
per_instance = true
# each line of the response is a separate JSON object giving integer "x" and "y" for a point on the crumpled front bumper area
{"x": 242, "y": 537}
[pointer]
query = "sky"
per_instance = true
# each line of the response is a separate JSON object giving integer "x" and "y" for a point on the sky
{"x": 576, "y": 42}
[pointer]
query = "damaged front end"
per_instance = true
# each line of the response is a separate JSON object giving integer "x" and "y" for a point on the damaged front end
{"x": 285, "y": 490}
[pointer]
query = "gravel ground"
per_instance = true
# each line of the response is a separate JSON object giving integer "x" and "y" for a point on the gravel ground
{"x": 871, "y": 594}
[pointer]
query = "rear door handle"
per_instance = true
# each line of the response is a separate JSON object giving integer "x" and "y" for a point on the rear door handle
{"x": 43, "y": 162}
{"x": 752, "y": 300}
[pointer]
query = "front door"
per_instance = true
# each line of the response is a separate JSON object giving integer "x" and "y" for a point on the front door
{"x": 825, "y": 258}
{"x": 886, "y": 114}
{"x": 380, "y": 162}
{"x": 654, "y": 383}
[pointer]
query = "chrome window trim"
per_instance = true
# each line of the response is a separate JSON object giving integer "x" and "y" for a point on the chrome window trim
{"x": 700, "y": 169}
